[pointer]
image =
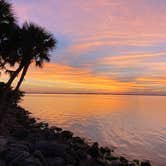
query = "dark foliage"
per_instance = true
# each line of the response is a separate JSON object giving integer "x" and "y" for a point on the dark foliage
{"x": 14, "y": 97}
{"x": 8, "y": 35}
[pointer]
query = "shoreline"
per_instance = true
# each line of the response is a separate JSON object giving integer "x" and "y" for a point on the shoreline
{"x": 24, "y": 141}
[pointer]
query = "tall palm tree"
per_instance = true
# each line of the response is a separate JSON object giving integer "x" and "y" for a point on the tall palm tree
{"x": 35, "y": 46}
{"x": 8, "y": 31}
{"x": 8, "y": 52}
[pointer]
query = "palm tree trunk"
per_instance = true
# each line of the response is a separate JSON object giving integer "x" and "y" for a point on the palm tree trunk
{"x": 22, "y": 77}
{"x": 14, "y": 75}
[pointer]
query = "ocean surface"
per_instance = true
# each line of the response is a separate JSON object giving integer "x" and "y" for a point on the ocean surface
{"x": 135, "y": 126}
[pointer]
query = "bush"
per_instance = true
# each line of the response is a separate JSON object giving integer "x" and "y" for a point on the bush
{"x": 9, "y": 95}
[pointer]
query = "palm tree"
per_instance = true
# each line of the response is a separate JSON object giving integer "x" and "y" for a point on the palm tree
{"x": 8, "y": 52}
{"x": 35, "y": 46}
{"x": 8, "y": 31}
{"x": 6, "y": 13}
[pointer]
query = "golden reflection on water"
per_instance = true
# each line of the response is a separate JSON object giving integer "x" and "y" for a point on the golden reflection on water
{"x": 135, "y": 125}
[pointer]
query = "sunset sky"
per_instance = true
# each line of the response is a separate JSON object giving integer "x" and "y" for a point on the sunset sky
{"x": 110, "y": 46}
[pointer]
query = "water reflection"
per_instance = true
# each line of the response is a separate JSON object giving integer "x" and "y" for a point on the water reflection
{"x": 135, "y": 125}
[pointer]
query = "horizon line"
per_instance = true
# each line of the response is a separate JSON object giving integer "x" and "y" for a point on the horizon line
{"x": 91, "y": 93}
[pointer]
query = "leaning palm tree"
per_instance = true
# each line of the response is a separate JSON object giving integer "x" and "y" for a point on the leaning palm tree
{"x": 35, "y": 46}
{"x": 8, "y": 52}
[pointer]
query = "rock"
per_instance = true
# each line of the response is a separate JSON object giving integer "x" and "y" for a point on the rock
{"x": 115, "y": 163}
{"x": 123, "y": 160}
{"x": 49, "y": 134}
{"x": 20, "y": 146}
{"x": 94, "y": 150}
{"x": 38, "y": 154}
{"x": 31, "y": 161}
{"x": 131, "y": 163}
{"x": 81, "y": 154}
{"x": 31, "y": 121}
{"x": 38, "y": 125}
{"x": 41, "y": 125}
{"x": 89, "y": 163}
{"x": 70, "y": 159}
{"x": 57, "y": 161}
{"x": 78, "y": 140}
{"x": 113, "y": 157}
{"x": 3, "y": 143}
{"x": 20, "y": 133}
{"x": 51, "y": 149}
{"x": 105, "y": 150}
{"x": 58, "y": 129}
{"x": 19, "y": 158}
{"x": 18, "y": 155}
{"x": 3, "y": 140}
{"x": 16, "y": 152}
{"x": 2, "y": 163}
{"x": 136, "y": 161}
{"x": 66, "y": 134}
{"x": 145, "y": 163}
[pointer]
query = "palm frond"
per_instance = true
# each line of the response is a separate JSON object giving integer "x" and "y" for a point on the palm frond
{"x": 36, "y": 43}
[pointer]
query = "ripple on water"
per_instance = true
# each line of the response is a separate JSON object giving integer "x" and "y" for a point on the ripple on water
{"x": 135, "y": 125}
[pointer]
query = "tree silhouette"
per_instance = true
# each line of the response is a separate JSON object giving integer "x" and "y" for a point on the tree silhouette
{"x": 22, "y": 46}
{"x": 35, "y": 46}
{"x": 8, "y": 35}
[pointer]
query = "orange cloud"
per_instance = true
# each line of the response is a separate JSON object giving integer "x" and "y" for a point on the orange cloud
{"x": 67, "y": 77}
{"x": 55, "y": 78}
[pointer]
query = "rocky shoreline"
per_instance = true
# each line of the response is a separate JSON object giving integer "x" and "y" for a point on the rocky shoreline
{"x": 26, "y": 142}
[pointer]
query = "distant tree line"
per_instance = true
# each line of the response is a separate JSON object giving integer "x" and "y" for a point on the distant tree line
{"x": 21, "y": 45}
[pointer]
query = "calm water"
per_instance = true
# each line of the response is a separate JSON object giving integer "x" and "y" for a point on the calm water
{"x": 134, "y": 125}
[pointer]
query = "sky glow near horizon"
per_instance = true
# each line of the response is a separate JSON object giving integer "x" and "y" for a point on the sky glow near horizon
{"x": 113, "y": 46}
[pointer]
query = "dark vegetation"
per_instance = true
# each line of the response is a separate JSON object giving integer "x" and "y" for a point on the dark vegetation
{"x": 23, "y": 140}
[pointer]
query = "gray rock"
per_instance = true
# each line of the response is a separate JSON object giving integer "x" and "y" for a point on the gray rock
{"x": 57, "y": 161}
{"x": 2, "y": 163}
{"x": 145, "y": 163}
{"x": 20, "y": 133}
{"x": 71, "y": 159}
{"x": 20, "y": 146}
{"x": 3, "y": 143}
{"x": 115, "y": 163}
{"x": 89, "y": 163}
{"x": 66, "y": 134}
{"x": 57, "y": 129}
{"x": 49, "y": 149}
{"x": 21, "y": 156}
{"x": 38, "y": 155}
{"x": 48, "y": 134}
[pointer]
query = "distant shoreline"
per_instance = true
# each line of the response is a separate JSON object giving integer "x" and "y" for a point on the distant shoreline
{"x": 128, "y": 94}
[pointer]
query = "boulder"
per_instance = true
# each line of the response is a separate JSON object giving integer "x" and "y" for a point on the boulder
{"x": 3, "y": 143}
{"x": 115, "y": 163}
{"x": 57, "y": 161}
{"x": 51, "y": 149}
{"x": 57, "y": 129}
{"x": 17, "y": 158}
{"x": 145, "y": 163}
{"x": 20, "y": 133}
{"x": 66, "y": 134}
{"x": 94, "y": 150}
